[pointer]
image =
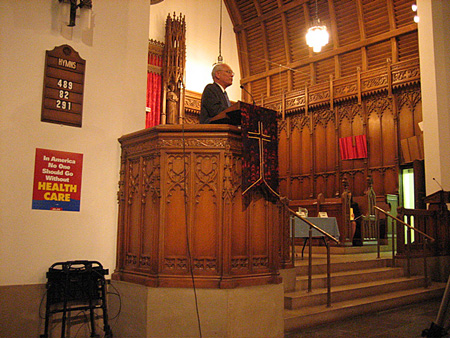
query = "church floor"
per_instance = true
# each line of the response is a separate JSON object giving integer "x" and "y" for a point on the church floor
{"x": 405, "y": 322}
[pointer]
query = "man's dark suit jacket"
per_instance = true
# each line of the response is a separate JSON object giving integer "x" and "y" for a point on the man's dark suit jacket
{"x": 213, "y": 102}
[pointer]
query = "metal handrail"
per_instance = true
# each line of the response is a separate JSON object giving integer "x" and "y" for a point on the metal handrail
{"x": 408, "y": 252}
{"x": 327, "y": 236}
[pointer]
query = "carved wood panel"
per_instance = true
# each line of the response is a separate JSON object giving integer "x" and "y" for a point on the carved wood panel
{"x": 181, "y": 211}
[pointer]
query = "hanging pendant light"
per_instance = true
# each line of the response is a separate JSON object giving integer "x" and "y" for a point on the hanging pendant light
{"x": 220, "y": 57}
{"x": 317, "y": 36}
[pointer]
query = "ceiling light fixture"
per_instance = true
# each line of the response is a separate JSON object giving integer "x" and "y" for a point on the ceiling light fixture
{"x": 416, "y": 17}
{"x": 220, "y": 58}
{"x": 317, "y": 35}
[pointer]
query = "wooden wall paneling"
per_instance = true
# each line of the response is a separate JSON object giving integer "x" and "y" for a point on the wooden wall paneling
{"x": 378, "y": 180}
{"x": 175, "y": 260}
{"x": 151, "y": 197}
{"x": 258, "y": 235}
{"x": 275, "y": 45}
{"x": 285, "y": 186}
{"x": 319, "y": 141}
{"x": 417, "y": 112}
{"x": 378, "y": 54}
{"x": 410, "y": 114}
{"x": 122, "y": 213}
{"x": 279, "y": 84}
{"x": 256, "y": 54}
{"x": 359, "y": 184}
{"x": 324, "y": 69}
{"x": 403, "y": 14}
{"x": 375, "y": 16}
{"x": 296, "y": 187}
{"x": 349, "y": 62}
{"x": 295, "y": 21}
{"x": 267, "y": 6}
{"x": 298, "y": 147}
{"x": 259, "y": 90}
{"x": 242, "y": 40}
{"x": 375, "y": 108}
{"x": 389, "y": 138}
{"x": 133, "y": 214}
{"x": 333, "y": 24}
{"x": 347, "y": 21}
{"x": 320, "y": 184}
{"x": 206, "y": 177}
{"x": 408, "y": 47}
{"x": 301, "y": 76}
{"x": 407, "y": 101}
{"x": 284, "y": 155}
{"x": 391, "y": 180}
{"x": 239, "y": 241}
{"x": 331, "y": 150}
{"x": 306, "y": 148}
{"x": 324, "y": 143}
{"x": 307, "y": 187}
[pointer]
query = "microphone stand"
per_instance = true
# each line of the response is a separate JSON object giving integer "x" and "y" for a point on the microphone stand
{"x": 242, "y": 87}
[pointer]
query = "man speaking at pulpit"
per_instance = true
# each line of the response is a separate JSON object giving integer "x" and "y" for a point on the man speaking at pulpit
{"x": 214, "y": 97}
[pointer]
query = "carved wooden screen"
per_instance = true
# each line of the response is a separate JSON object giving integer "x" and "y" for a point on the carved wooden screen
{"x": 383, "y": 105}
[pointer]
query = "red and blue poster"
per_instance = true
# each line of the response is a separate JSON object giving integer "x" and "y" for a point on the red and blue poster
{"x": 57, "y": 180}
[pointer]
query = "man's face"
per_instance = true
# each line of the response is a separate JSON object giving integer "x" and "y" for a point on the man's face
{"x": 225, "y": 76}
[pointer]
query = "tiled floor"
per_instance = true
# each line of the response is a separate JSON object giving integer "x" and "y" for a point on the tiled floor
{"x": 405, "y": 322}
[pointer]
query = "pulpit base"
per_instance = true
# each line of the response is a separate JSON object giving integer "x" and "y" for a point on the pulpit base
{"x": 147, "y": 312}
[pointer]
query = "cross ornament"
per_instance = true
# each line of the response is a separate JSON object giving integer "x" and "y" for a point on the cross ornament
{"x": 261, "y": 137}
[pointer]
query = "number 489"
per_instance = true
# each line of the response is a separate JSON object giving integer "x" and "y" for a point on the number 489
{"x": 64, "y": 84}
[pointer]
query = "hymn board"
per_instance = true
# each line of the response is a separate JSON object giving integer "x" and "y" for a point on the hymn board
{"x": 62, "y": 100}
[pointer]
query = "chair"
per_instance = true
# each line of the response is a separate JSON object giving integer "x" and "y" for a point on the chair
{"x": 369, "y": 223}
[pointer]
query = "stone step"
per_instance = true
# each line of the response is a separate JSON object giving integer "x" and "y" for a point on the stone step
{"x": 320, "y": 265}
{"x": 310, "y": 316}
{"x": 348, "y": 277}
{"x": 303, "y": 298}
{"x": 342, "y": 250}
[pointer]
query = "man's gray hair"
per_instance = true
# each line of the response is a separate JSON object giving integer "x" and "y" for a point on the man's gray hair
{"x": 215, "y": 69}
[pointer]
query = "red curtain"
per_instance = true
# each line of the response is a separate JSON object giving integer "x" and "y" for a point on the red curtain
{"x": 352, "y": 147}
{"x": 153, "y": 114}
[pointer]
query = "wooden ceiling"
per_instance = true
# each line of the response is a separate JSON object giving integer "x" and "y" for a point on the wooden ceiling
{"x": 273, "y": 54}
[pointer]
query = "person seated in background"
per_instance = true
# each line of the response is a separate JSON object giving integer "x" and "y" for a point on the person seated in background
{"x": 214, "y": 97}
{"x": 355, "y": 224}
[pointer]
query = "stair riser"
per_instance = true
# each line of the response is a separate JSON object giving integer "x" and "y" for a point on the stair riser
{"x": 302, "y": 283}
{"x": 348, "y": 266}
{"x": 311, "y": 299}
{"x": 332, "y": 315}
{"x": 339, "y": 250}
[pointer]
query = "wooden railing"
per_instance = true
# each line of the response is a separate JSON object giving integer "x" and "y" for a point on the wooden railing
{"x": 326, "y": 237}
{"x": 420, "y": 217}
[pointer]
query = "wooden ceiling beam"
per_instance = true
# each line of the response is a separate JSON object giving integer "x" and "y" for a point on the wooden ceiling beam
{"x": 269, "y": 15}
{"x": 325, "y": 55}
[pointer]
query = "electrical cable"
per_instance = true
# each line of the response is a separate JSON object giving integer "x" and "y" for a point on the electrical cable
{"x": 186, "y": 216}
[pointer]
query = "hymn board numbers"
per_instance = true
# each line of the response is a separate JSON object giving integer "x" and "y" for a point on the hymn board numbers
{"x": 63, "y": 87}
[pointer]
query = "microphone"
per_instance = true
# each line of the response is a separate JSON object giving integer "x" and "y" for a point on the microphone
{"x": 434, "y": 179}
{"x": 242, "y": 87}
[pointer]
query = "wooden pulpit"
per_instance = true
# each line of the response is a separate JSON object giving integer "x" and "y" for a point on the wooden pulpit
{"x": 437, "y": 202}
{"x": 181, "y": 212}
{"x": 231, "y": 115}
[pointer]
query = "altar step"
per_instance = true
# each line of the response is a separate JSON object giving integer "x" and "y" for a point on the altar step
{"x": 360, "y": 284}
